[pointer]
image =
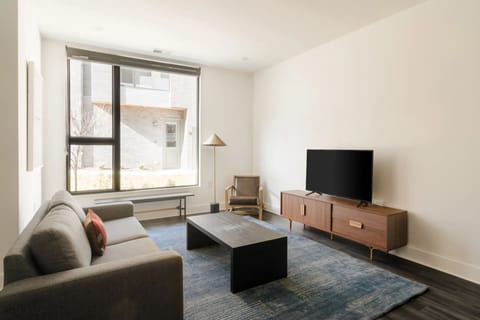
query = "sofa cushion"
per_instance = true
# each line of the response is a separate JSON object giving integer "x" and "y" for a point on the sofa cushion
{"x": 121, "y": 230}
{"x": 96, "y": 233}
{"x": 126, "y": 250}
{"x": 63, "y": 197}
{"x": 59, "y": 242}
{"x": 243, "y": 200}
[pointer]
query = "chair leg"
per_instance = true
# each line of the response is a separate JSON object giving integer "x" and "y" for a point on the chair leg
{"x": 260, "y": 213}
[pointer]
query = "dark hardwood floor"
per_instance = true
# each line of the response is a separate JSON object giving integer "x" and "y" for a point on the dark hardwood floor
{"x": 448, "y": 297}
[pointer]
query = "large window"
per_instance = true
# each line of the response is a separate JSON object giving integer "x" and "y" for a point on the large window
{"x": 133, "y": 124}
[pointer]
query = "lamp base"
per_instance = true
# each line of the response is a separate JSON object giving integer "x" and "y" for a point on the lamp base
{"x": 214, "y": 207}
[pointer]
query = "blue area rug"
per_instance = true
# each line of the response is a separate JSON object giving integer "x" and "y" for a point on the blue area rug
{"x": 322, "y": 283}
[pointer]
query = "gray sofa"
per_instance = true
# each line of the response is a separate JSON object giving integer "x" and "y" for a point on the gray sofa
{"x": 134, "y": 279}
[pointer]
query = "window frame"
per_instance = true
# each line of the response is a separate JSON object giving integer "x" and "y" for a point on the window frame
{"x": 116, "y": 63}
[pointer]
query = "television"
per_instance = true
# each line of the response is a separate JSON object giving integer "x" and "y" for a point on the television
{"x": 342, "y": 173}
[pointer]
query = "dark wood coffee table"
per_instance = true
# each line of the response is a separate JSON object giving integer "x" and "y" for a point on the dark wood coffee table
{"x": 258, "y": 255}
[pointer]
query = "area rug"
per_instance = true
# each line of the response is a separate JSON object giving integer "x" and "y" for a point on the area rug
{"x": 322, "y": 283}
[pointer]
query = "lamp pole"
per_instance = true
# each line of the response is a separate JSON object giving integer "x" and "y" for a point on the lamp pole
{"x": 214, "y": 141}
{"x": 214, "y": 178}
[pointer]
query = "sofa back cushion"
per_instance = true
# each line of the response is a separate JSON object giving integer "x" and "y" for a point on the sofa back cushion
{"x": 19, "y": 263}
{"x": 59, "y": 241}
{"x": 63, "y": 197}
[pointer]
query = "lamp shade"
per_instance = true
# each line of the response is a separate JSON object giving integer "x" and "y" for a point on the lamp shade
{"x": 214, "y": 141}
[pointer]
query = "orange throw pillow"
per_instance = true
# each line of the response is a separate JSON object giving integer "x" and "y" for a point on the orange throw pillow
{"x": 96, "y": 232}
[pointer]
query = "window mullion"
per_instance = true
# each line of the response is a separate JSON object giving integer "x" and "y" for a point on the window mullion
{"x": 91, "y": 141}
{"x": 116, "y": 126}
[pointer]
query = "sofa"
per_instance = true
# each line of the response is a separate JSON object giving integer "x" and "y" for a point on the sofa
{"x": 133, "y": 279}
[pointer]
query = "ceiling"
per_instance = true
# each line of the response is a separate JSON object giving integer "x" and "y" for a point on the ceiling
{"x": 236, "y": 34}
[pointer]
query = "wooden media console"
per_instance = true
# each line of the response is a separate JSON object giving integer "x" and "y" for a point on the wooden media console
{"x": 379, "y": 228}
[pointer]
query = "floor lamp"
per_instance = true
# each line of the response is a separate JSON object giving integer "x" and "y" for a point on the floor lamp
{"x": 214, "y": 141}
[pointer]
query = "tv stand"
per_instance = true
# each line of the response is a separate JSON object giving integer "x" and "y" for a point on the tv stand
{"x": 377, "y": 227}
{"x": 312, "y": 192}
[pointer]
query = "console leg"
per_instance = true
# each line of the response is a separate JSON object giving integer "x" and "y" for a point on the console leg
{"x": 371, "y": 254}
{"x": 290, "y": 221}
{"x": 331, "y": 236}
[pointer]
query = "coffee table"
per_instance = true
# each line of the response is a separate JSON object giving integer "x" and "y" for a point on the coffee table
{"x": 258, "y": 255}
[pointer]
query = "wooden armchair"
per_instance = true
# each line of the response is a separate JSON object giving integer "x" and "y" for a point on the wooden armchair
{"x": 246, "y": 192}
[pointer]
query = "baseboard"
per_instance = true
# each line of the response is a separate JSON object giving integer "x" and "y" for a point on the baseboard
{"x": 457, "y": 268}
{"x": 270, "y": 208}
{"x": 454, "y": 267}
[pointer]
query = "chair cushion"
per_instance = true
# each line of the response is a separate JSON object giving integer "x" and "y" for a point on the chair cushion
{"x": 243, "y": 200}
{"x": 247, "y": 185}
{"x": 96, "y": 233}
{"x": 63, "y": 197}
{"x": 125, "y": 229}
{"x": 126, "y": 250}
{"x": 59, "y": 242}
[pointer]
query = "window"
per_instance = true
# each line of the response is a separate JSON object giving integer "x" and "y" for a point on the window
{"x": 171, "y": 135}
{"x": 130, "y": 126}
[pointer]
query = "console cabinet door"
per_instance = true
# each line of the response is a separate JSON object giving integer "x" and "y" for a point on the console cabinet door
{"x": 292, "y": 207}
{"x": 317, "y": 214}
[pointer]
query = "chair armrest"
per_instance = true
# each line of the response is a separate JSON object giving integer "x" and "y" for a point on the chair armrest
{"x": 260, "y": 196}
{"x": 111, "y": 211}
{"x": 228, "y": 192}
{"x": 142, "y": 287}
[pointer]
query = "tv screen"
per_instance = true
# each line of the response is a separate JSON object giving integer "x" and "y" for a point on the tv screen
{"x": 343, "y": 173}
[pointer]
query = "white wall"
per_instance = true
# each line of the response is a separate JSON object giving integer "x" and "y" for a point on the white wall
{"x": 19, "y": 190}
{"x": 54, "y": 65}
{"x": 409, "y": 88}
{"x": 226, "y": 108}
{"x": 8, "y": 126}
{"x": 30, "y": 182}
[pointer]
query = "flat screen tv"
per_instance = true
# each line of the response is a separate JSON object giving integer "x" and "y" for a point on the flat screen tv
{"x": 342, "y": 173}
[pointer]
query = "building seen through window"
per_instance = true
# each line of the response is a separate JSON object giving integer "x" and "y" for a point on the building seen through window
{"x": 158, "y": 125}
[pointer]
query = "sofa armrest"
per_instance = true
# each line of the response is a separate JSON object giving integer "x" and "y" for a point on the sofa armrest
{"x": 111, "y": 211}
{"x": 143, "y": 287}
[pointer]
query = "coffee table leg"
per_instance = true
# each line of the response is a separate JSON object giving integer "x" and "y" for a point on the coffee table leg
{"x": 258, "y": 264}
{"x": 196, "y": 239}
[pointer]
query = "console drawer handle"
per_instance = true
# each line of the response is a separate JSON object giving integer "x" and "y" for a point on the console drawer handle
{"x": 355, "y": 224}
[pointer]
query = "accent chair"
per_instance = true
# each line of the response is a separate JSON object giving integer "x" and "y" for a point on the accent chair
{"x": 246, "y": 192}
